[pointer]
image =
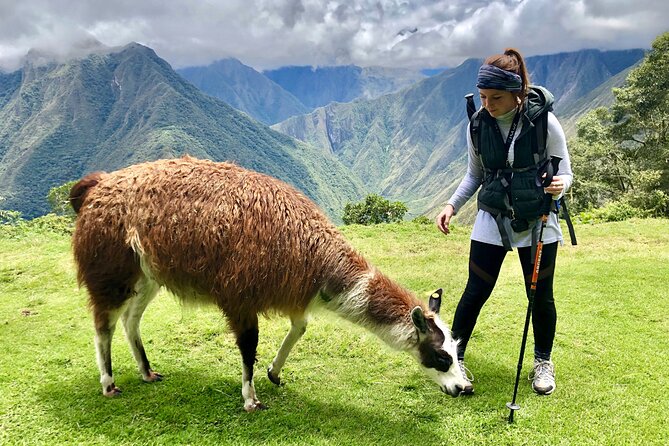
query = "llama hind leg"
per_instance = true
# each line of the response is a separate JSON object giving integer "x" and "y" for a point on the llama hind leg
{"x": 145, "y": 290}
{"x": 105, "y": 325}
{"x": 298, "y": 325}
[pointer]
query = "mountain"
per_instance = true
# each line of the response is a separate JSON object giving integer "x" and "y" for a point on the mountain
{"x": 410, "y": 145}
{"x": 601, "y": 96}
{"x": 245, "y": 89}
{"x": 116, "y": 108}
{"x": 404, "y": 145}
{"x": 571, "y": 76}
{"x": 316, "y": 87}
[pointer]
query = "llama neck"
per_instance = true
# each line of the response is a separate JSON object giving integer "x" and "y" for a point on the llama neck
{"x": 377, "y": 303}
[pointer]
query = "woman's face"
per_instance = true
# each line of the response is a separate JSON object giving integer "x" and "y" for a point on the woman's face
{"x": 498, "y": 102}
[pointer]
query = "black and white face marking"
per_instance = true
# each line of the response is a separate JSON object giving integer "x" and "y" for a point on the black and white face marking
{"x": 437, "y": 351}
{"x": 432, "y": 355}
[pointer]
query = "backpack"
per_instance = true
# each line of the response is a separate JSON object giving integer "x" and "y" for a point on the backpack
{"x": 541, "y": 129}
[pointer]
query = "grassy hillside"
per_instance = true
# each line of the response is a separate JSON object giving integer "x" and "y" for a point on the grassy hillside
{"x": 109, "y": 110}
{"x": 410, "y": 145}
{"x": 341, "y": 385}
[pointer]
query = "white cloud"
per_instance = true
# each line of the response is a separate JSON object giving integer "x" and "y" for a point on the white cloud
{"x": 271, "y": 33}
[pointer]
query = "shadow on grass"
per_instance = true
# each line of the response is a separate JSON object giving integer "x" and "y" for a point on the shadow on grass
{"x": 190, "y": 407}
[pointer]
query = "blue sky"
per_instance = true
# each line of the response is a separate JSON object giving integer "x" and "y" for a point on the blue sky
{"x": 272, "y": 33}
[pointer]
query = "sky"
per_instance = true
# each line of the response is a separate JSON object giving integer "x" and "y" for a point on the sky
{"x": 267, "y": 34}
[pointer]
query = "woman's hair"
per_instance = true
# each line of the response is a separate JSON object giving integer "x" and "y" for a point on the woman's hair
{"x": 512, "y": 61}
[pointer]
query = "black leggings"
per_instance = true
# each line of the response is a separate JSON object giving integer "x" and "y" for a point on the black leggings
{"x": 485, "y": 261}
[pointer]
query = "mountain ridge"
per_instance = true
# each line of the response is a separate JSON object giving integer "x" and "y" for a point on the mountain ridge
{"x": 124, "y": 105}
{"x": 104, "y": 112}
{"x": 245, "y": 89}
{"x": 414, "y": 140}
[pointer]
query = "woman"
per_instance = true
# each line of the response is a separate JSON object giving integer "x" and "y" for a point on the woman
{"x": 507, "y": 159}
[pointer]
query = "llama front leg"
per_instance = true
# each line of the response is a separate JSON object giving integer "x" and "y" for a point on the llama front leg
{"x": 247, "y": 341}
{"x": 297, "y": 328}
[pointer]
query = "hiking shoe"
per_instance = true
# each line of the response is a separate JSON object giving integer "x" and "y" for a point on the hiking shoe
{"x": 543, "y": 376}
{"x": 469, "y": 377}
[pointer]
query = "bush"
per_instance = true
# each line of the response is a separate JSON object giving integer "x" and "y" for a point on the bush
{"x": 13, "y": 226}
{"x": 613, "y": 211}
{"x": 10, "y": 218}
{"x": 57, "y": 224}
{"x": 422, "y": 220}
{"x": 59, "y": 199}
{"x": 374, "y": 210}
{"x": 59, "y": 221}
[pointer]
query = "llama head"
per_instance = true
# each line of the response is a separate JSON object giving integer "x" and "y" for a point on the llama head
{"x": 436, "y": 350}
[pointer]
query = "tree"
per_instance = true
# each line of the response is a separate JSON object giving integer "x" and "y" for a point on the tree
{"x": 621, "y": 154}
{"x": 59, "y": 199}
{"x": 373, "y": 210}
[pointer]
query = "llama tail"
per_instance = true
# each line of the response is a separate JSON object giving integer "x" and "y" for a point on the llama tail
{"x": 80, "y": 189}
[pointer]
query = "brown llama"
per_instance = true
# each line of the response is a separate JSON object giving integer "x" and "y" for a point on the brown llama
{"x": 248, "y": 243}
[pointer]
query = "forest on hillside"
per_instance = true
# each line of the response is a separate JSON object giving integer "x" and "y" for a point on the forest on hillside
{"x": 620, "y": 155}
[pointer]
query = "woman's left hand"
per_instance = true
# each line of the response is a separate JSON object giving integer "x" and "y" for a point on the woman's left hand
{"x": 556, "y": 187}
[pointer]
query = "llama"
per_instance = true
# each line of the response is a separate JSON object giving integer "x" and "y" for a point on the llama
{"x": 215, "y": 233}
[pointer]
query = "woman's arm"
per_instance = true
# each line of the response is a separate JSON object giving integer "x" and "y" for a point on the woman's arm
{"x": 556, "y": 145}
{"x": 466, "y": 189}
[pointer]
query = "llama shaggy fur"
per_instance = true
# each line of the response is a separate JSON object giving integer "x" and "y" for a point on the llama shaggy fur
{"x": 215, "y": 233}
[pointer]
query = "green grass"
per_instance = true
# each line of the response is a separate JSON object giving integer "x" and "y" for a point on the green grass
{"x": 342, "y": 386}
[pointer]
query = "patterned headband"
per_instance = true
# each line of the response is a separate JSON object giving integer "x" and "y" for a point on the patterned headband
{"x": 494, "y": 78}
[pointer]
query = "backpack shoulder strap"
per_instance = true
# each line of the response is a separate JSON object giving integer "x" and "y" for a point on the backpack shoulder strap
{"x": 541, "y": 129}
{"x": 474, "y": 126}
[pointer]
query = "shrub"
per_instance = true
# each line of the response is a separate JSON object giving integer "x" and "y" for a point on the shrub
{"x": 422, "y": 220}
{"x": 374, "y": 210}
{"x": 13, "y": 226}
{"x": 59, "y": 199}
{"x": 10, "y": 218}
{"x": 58, "y": 224}
{"x": 613, "y": 211}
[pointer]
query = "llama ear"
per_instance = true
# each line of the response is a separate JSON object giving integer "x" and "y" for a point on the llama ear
{"x": 435, "y": 301}
{"x": 418, "y": 319}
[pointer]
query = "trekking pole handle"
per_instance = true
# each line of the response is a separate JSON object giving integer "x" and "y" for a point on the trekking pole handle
{"x": 555, "y": 162}
{"x": 550, "y": 172}
{"x": 471, "y": 107}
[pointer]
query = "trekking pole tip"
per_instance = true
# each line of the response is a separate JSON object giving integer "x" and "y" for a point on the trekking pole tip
{"x": 512, "y": 407}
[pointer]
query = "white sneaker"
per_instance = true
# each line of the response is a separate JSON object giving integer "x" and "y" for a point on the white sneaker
{"x": 469, "y": 377}
{"x": 543, "y": 376}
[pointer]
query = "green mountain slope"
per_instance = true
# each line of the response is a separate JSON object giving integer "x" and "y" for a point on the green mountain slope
{"x": 407, "y": 146}
{"x": 109, "y": 110}
{"x": 245, "y": 89}
{"x": 571, "y": 76}
{"x": 410, "y": 145}
{"x": 602, "y": 96}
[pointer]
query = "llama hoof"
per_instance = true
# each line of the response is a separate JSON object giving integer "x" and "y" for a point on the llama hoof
{"x": 111, "y": 391}
{"x": 275, "y": 379}
{"x": 253, "y": 406}
{"x": 153, "y": 377}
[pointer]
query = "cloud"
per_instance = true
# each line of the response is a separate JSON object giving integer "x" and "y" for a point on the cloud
{"x": 271, "y": 33}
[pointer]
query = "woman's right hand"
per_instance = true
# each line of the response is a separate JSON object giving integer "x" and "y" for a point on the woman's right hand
{"x": 444, "y": 218}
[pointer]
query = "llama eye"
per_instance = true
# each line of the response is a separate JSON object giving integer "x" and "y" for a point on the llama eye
{"x": 438, "y": 360}
{"x": 444, "y": 359}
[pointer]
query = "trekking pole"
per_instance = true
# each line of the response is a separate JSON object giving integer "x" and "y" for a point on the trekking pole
{"x": 555, "y": 161}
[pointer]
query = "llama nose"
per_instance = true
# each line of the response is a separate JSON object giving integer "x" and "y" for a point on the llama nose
{"x": 454, "y": 392}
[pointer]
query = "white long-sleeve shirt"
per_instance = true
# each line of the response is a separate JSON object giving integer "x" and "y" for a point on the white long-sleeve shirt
{"x": 485, "y": 228}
